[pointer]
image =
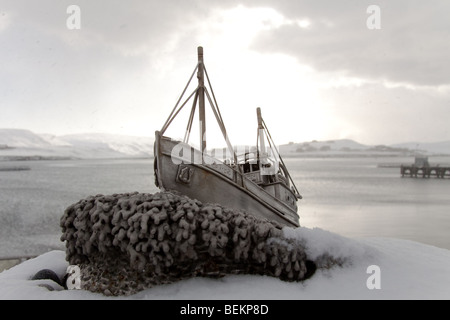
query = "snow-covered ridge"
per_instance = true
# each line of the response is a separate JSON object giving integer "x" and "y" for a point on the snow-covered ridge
{"x": 21, "y": 143}
{"x": 19, "y": 138}
{"x": 351, "y": 147}
{"x": 442, "y": 147}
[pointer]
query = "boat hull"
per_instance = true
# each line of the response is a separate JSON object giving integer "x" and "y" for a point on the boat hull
{"x": 184, "y": 172}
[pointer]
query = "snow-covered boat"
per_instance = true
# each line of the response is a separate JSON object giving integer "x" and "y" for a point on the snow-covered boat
{"x": 256, "y": 181}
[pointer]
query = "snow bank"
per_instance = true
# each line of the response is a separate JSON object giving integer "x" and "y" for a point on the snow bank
{"x": 403, "y": 270}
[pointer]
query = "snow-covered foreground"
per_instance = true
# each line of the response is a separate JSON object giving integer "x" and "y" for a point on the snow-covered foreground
{"x": 372, "y": 268}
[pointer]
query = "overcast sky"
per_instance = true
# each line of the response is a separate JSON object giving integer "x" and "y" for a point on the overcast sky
{"x": 317, "y": 69}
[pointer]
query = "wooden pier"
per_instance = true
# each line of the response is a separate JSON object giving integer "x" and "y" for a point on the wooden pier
{"x": 424, "y": 172}
{"x": 422, "y": 168}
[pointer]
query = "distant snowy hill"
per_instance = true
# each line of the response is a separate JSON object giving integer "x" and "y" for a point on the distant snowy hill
{"x": 19, "y": 138}
{"x": 347, "y": 147}
{"x": 23, "y": 144}
{"x": 427, "y": 148}
{"x": 126, "y": 145}
{"x": 344, "y": 145}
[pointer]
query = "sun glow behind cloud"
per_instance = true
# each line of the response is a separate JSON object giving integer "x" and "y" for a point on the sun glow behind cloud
{"x": 244, "y": 79}
{"x": 316, "y": 71}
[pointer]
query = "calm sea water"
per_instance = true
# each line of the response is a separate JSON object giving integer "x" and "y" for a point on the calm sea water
{"x": 358, "y": 198}
{"x": 350, "y": 196}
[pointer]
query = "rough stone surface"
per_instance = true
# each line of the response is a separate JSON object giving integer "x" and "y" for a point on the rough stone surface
{"x": 124, "y": 243}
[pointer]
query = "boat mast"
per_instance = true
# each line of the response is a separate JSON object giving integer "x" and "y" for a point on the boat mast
{"x": 201, "y": 99}
{"x": 262, "y": 128}
{"x": 200, "y": 95}
{"x": 262, "y": 145}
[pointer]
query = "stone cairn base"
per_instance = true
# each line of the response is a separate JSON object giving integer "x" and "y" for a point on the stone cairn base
{"x": 124, "y": 243}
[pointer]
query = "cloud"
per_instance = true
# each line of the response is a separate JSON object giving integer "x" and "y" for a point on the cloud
{"x": 82, "y": 80}
{"x": 313, "y": 66}
{"x": 412, "y": 46}
{"x": 374, "y": 114}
